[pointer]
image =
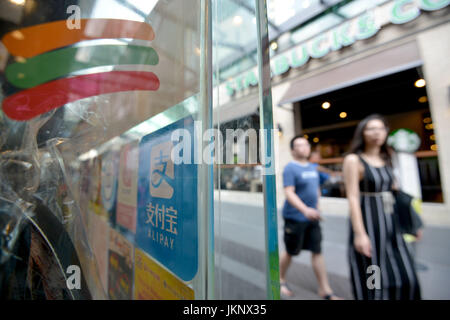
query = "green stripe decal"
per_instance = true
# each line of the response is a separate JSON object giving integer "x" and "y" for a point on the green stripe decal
{"x": 59, "y": 63}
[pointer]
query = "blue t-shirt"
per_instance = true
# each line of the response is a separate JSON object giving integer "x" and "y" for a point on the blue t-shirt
{"x": 305, "y": 179}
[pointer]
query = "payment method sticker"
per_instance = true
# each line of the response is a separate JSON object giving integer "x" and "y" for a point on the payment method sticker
{"x": 167, "y": 201}
{"x": 120, "y": 272}
{"x": 127, "y": 187}
{"x": 109, "y": 174}
{"x": 152, "y": 282}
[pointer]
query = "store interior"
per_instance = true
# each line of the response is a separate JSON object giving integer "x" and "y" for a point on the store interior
{"x": 329, "y": 121}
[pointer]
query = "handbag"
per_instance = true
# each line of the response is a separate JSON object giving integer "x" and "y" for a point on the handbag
{"x": 407, "y": 211}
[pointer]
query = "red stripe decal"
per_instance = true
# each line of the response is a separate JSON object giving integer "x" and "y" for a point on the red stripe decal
{"x": 33, "y": 102}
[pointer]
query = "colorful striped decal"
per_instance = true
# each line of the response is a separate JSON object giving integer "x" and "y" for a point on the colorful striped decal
{"x": 59, "y": 63}
{"x": 31, "y": 41}
{"x": 30, "y": 103}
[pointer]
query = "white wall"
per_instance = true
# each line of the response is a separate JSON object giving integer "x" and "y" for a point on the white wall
{"x": 285, "y": 117}
{"x": 434, "y": 46}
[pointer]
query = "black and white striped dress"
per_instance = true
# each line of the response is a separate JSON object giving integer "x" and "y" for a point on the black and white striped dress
{"x": 399, "y": 280}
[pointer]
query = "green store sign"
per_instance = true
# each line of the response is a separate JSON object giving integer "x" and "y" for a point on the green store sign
{"x": 404, "y": 140}
{"x": 346, "y": 34}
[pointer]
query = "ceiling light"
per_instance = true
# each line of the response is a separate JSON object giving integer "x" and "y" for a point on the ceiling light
{"x": 423, "y": 99}
{"x": 20, "y": 59}
{"x": 326, "y": 105}
{"x": 237, "y": 20}
{"x": 420, "y": 83}
{"x": 17, "y": 35}
{"x": 433, "y": 137}
{"x": 315, "y": 140}
{"x": 18, "y": 2}
{"x": 274, "y": 46}
{"x": 343, "y": 115}
{"x": 305, "y": 136}
{"x": 427, "y": 120}
{"x": 429, "y": 126}
{"x": 434, "y": 147}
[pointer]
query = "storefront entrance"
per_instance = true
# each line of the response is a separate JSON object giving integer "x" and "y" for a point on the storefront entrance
{"x": 329, "y": 120}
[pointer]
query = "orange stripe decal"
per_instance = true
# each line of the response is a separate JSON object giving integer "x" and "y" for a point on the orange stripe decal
{"x": 31, "y": 41}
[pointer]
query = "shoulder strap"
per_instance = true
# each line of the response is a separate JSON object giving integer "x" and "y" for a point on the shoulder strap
{"x": 366, "y": 169}
{"x": 362, "y": 159}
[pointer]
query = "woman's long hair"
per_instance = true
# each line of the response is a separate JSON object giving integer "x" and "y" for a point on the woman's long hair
{"x": 358, "y": 145}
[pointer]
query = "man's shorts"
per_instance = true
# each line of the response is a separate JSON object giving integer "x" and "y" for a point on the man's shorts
{"x": 299, "y": 236}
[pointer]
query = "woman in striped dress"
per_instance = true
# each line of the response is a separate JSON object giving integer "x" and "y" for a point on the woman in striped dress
{"x": 381, "y": 266}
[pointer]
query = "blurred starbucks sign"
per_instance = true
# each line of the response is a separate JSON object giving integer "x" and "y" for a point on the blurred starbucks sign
{"x": 404, "y": 140}
{"x": 346, "y": 34}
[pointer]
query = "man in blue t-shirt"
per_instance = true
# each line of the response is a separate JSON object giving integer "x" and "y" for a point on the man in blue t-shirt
{"x": 301, "y": 217}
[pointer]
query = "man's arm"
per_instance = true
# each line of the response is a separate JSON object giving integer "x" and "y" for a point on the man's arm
{"x": 328, "y": 171}
{"x": 298, "y": 204}
{"x": 319, "y": 194}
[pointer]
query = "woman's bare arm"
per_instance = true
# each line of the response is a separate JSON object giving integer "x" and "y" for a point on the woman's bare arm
{"x": 351, "y": 180}
{"x": 351, "y": 173}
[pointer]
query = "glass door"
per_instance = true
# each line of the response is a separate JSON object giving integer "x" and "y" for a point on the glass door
{"x": 113, "y": 182}
{"x": 245, "y": 215}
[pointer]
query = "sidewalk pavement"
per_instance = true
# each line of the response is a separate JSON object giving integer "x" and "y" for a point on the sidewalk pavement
{"x": 240, "y": 259}
{"x": 432, "y": 259}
